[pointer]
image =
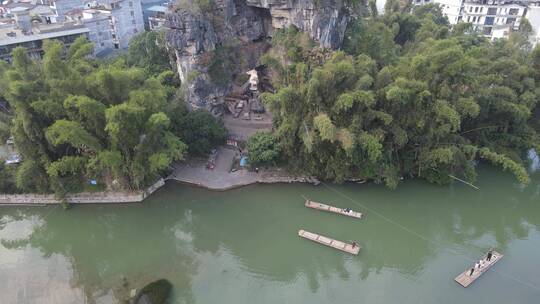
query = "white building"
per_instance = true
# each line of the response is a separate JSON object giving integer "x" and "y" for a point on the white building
{"x": 156, "y": 16}
{"x": 99, "y": 24}
{"x": 62, "y": 7}
{"x": 533, "y": 15}
{"x": 31, "y": 35}
{"x": 450, "y": 8}
{"x": 126, "y": 17}
{"x": 493, "y": 18}
{"x": 127, "y": 20}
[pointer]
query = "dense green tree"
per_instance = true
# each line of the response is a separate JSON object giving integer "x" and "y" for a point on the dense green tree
{"x": 147, "y": 50}
{"x": 410, "y": 98}
{"x": 198, "y": 129}
{"x": 263, "y": 149}
{"x": 78, "y": 118}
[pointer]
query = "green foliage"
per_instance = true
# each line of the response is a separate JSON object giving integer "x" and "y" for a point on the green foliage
{"x": 263, "y": 148}
{"x": 77, "y": 118}
{"x": 222, "y": 63}
{"x": 198, "y": 129}
{"x": 7, "y": 178}
{"x": 410, "y": 98}
{"x": 72, "y": 133}
{"x": 147, "y": 50}
{"x": 294, "y": 43}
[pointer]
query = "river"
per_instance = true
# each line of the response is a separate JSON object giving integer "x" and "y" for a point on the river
{"x": 241, "y": 246}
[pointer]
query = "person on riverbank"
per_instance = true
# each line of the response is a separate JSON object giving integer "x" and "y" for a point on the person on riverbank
{"x": 489, "y": 255}
{"x": 354, "y": 244}
{"x": 472, "y": 271}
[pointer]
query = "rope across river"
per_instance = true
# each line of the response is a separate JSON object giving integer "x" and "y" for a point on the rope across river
{"x": 427, "y": 239}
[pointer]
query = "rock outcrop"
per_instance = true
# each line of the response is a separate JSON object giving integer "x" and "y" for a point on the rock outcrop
{"x": 324, "y": 20}
{"x": 193, "y": 34}
{"x": 154, "y": 293}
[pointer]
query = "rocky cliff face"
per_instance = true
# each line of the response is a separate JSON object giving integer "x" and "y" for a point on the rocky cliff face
{"x": 324, "y": 20}
{"x": 192, "y": 34}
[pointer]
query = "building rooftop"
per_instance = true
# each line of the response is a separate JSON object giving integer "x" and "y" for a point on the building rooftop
{"x": 158, "y": 8}
{"x": 18, "y": 37}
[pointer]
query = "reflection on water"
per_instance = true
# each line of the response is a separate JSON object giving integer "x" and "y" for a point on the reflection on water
{"x": 241, "y": 246}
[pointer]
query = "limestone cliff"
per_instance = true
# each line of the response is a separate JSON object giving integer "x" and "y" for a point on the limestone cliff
{"x": 193, "y": 33}
{"x": 324, "y": 20}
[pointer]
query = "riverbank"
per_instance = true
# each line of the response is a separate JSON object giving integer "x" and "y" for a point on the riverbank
{"x": 109, "y": 197}
{"x": 221, "y": 179}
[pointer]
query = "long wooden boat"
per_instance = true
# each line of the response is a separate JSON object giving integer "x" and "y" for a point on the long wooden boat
{"x": 350, "y": 248}
{"x": 323, "y": 207}
{"x": 465, "y": 278}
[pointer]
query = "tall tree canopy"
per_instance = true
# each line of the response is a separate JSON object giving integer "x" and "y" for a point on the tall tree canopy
{"x": 78, "y": 118}
{"x": 408, "y": 97}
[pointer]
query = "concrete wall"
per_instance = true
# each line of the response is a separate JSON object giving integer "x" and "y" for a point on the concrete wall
{"x": 79, "y": 198}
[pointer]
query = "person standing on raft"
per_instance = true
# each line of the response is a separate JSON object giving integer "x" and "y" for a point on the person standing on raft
{"x": 489, "y": 255}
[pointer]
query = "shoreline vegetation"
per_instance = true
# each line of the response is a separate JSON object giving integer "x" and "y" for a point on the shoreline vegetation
{"x": 406, "y": 97}
{"x": 233, "y": 180}
{"x": 81, "y": 124}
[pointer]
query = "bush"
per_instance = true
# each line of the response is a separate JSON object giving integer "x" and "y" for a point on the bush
{"x": 263, "y": 149}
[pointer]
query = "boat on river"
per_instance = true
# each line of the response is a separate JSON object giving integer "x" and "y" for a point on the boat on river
{"x": 328, "y": 208}
{"x": 321, "y": 239}
{"x": 465, "y": 278}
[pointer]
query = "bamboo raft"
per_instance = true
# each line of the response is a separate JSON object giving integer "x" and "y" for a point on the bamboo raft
{"x": 464, "y": 279}
{"x": 350, "y": 248}
{"x": 323, "y": 207}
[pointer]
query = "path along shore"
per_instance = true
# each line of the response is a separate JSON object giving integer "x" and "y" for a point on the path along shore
{"x": 218, "y": 180}
{"x": 194, "y": 173}
{"x": 108, "y": 197}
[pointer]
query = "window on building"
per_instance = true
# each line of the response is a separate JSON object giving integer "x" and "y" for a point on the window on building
{"x": 470, "y": 9}
{"x": 487, "y": 30}
{"x": 132, "y": 13}
{"x": 474, "y": 19}
{"x": 481, "y": 9}
{"x": 513, "y": 11}
{"x": 468, "y": 18}
{"x": 492, "y": 11}
{"x": 476, "y": 9}
{"x": 510, "y": 20}
{"x": 489, "y": 20}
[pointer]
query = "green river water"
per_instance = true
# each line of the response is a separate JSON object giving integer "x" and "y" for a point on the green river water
{"x": 241, "y": 246}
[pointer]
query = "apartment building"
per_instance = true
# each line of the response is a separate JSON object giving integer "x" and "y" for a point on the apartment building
{"x": 109, "y": 24}
{"x": 127, "y": 19}
{"x": 493, "y": 18}
{"x": 22, "y": 31}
